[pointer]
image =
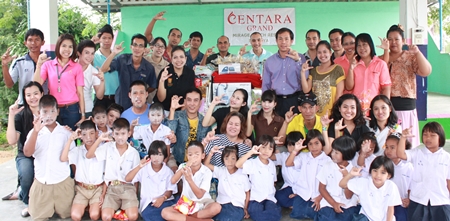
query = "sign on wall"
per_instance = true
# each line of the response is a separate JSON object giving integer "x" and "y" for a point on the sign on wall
{"x": 240, "y": 23}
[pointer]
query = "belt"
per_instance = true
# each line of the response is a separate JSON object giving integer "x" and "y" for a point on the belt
{"x": 67, "y": 105}
{"x": 88, "y": 186}
{"x": 288, "y": 96}
{"x": 110, "y": 97}
{"x": 117, "y": 182}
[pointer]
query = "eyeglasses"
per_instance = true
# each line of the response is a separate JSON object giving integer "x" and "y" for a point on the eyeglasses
{"x": 159, "y": 46}
{"x": 349, "y": 43}
{"x": 138, "y": 45}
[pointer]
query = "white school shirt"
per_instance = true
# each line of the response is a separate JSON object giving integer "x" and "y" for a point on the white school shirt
{"x": 402, "y": 177}
{"x": 89, "y": 171}
{"x": 154, "y": 184}
{"x": 108, "y": 130}
{"x": 374, "y": 201}
{"x": 48, "y": 168}
{"x": 231, "y": 187}
{"x": 148, "y": 136}
{"x": 330, "y": 176}
{"x": 290, "y": 174}
{"x": 202, "y": 178}
{"x": 116, "y": 166}
{"x": 262, "y": 179}
{"x": 382, "y": 136}
{"x": 365, "y": 172}
{"x": 431, "y": 172}
{"x": 307, "y": 186}
{"x": 89, "y": 82}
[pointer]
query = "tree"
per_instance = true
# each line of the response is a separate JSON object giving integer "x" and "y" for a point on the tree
{"x": 433, "y": 21}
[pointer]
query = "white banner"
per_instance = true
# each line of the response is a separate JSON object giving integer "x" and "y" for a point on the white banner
{"x": 240, "y": 23}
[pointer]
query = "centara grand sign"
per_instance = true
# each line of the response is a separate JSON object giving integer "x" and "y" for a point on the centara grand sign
{"x": 240, "y": 23}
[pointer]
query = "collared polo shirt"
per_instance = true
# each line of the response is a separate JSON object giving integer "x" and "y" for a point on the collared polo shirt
{"x": 190, "y": 63}
{"x": 111, "y": 77}
{"x": 262, "y": 127}
{"x": 148, "y": 136}
{"x": 89, "y": 171}
{"x": 262, "y": 58}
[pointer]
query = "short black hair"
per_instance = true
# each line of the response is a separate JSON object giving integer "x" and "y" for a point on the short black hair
{"x": 156, "y": 107}
{"x": 293, "y": 137}
{"x": 115, "y": 107}
{"x": 383, "y": 161}
{"x": 368, "y": 136}
{"x": 434, "y": 127}
{"x": 269, "y": 95}
{"x": 139, "y": 36}
{"x": 105, "y": 29}
{"x": 346, "y": 145}
{"x": 155, "y": 145}
{"x": 172, "y": 29}
{"x": 178, "y": 48}
{"x": 159, "y": 39}
{"x": 87, "y": 125}
{"x": 48, "y": 101}
{"x": 85, "y": 44}
{"x": 197, "y": 144}
{"x": 347, "y": 34}
{"x": 336, "y": 30}
{"x": 34, "y": 32}
{"x": 314, "y": 133}
{"x": 282, "y": 30}
{"x": 98, "y": 109}
{"x": 196, "y": 34}
{"x": 364, "y": 37}
{"x": 136, "y": 83}
{"x": 229, "y": 150}
{"x": 194, "y": 90}
{"x": 121, "y": 123}
{"x": 313, "y": 30}
{"x": 266, "y": 139}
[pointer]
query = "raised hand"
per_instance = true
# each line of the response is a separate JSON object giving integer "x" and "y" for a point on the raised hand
{"x": 159, "y": 16}
{"x": 217, "y": 100}
{"x": 100, "y": 75}
{"x": 255, "y": 149}
{"x": 277, "y": 140}
{"x": 306, "y": 67}
{"x": 14, "y": 109}
{"x": 7, "y": 58}
{"x": 105, "y": 137}
{"x": 209, "y": 51}
{"x": 118, "y": 48}
{"x": 384, "y": 43}
{"x": 165, "y": 75}
{"x": 293, "y": 55}
{"x": 147, "y": 51}
{"x": 356, "y": 171}
{"x": 144, "y": 161}
{"x": 325, "y": 120}
{"x": 210, "y": 136}
{"x": 299, "y": 145}
{"x": 172, "y": 138}
{"x": 248, "y": 142}
{"x": 175, "y": 104}
{"x": 366, "y": 147}
{"x": 42, "y": 58}
{"x": 95, "y": 39}
{"x": 187, "y": 44}
{"x": 75, "y": 134}
{"x": 343, "y": 170}
{"x": 413, "y": 49}
{"x": 289, "y": 115}
{"x": 135, "y": 122}
{"x": 216, "y": 149}
{"x": 187, "y": 172}
{"x": 407, "y": 133}
{"x": 243, "y": 50}
{"x": 353, "y": 62}
{"x": 38, "y": 124}
{"x": 340, "y": 125}
{"x": 253, "y": 108}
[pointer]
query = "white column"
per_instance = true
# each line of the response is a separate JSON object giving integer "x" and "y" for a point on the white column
{"x": 44, "y": 16}
{"x": 413, "y": 14}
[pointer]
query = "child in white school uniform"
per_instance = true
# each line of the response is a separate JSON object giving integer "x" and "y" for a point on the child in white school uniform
{"x": 377, "y": 194}
{"x": 306, "y": 189}
{"x": 262, "y": 173}
{"x": 285, "y": 195}
{"x": 120, "y": 159}
{"x": 335, "y": 206}
{"x": 403, "y": 173}
{"x": 154, "y": 177}
{"x": 366, "y": 146}
{"x": 196, "y": 183}
{"x": 90, "y": 188}
{"x": 234, "y": 186}
{"x": 100, "y": 118}
{"x": 52, "y": 190}
{"x": 429, "y": 196}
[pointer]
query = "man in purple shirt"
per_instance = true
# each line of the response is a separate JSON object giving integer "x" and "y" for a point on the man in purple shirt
{"x": 282, "y": 72}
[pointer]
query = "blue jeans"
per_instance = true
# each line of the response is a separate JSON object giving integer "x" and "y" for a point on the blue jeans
{"x": 264, "y": 211}
{"x": 419, "y": 212}
{"x": 230, "y": 213}
{"x": 360, "y": 217}
{"x": 328, "y": 214}
{"x": 151, "y": 213}
{"x": 400, "y": 213}
{"x": 69, "y": 115}
{"x": 282, "y": 197}
{"x": 25, "y": 169}
{"x": 302, "y": 209}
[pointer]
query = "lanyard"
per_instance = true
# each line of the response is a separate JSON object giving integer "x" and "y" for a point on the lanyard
{"x": 59, "y": 76}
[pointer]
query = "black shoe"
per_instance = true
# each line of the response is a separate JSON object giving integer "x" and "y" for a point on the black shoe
{"x": 11, "y": 196}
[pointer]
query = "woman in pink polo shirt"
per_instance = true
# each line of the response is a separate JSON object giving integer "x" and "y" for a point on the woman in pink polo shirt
{"x": 65, "y": 80}
{"x": 348, "y": 42}
{"x": 368, "y": 75}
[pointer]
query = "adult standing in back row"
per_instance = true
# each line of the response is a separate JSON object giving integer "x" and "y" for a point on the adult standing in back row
{"x": 282, "y": 72}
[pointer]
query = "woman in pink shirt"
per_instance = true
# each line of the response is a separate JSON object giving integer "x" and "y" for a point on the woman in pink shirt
{"x": 65, "y": 81}
{"x": 368, "y": 75}
{"x": 348, "y": 42}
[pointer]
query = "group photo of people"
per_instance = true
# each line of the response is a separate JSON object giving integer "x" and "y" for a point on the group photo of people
{"x": 334, "y": 134}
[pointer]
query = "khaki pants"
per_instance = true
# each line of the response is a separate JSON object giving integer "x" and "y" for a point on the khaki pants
{"x": 86, "y": 197}
{"x": 46, "y": 199}
{"x": 121, "y": 196}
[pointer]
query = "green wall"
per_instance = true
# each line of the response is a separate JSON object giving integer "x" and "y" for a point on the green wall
{"x": 440, "y": 76}
{"x": 371, "y": 17}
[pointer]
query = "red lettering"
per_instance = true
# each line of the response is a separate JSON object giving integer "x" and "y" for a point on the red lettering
{"x": 277, "y": 18}
{"x": 241, "y": 19}
{"x": 250, "y": 19}
{"x": 287, "y": 19}
{"x": 232, "y": 18}
{"x": 268, "y": 20}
